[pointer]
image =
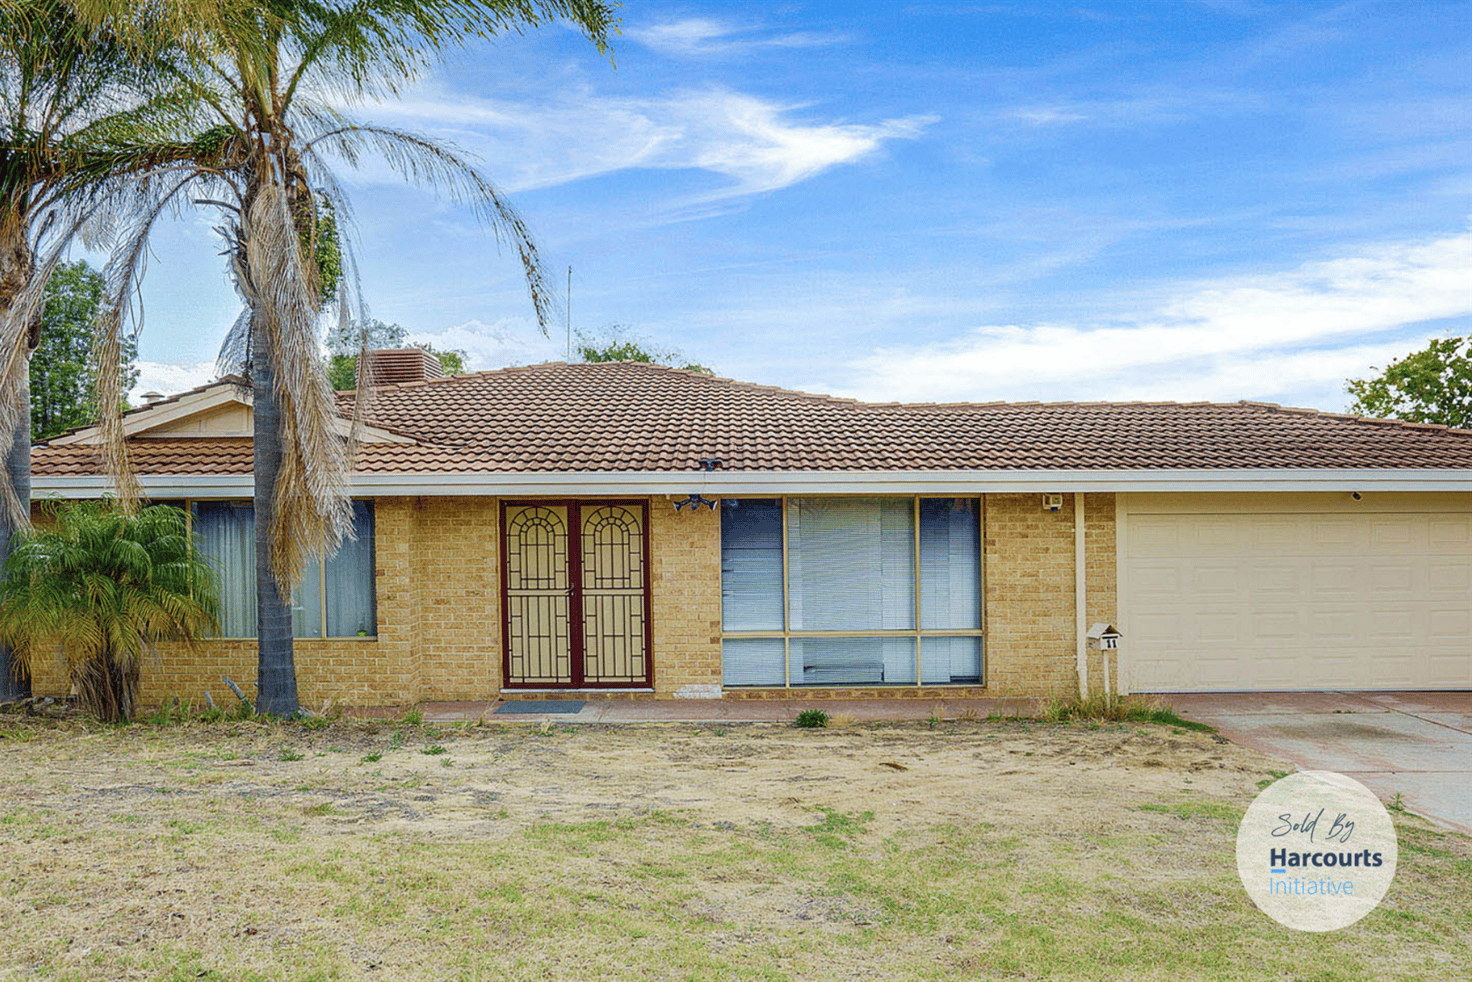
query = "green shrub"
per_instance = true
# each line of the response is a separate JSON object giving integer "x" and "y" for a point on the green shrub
{"x": 105, "y": 586}
{"x": 813, "y": 719}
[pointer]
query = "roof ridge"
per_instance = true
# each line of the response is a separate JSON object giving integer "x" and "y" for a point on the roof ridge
{"x": 1356, "y": 418}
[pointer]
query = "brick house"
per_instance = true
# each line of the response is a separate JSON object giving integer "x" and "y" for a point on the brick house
{"x": 633, "y": 530}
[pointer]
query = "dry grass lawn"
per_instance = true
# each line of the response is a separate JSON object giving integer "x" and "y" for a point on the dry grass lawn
{"x": 1001, "y": 849}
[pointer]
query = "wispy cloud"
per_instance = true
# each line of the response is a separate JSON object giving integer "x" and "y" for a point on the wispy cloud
{"x": 692, "y": 36}
{"x": 756, "y": 144}
{"x": 1045, "y": 115}
{"x": 1152, "y": 105}
{"x": 170, "y": 379}
{"x": 1301, "y": 330}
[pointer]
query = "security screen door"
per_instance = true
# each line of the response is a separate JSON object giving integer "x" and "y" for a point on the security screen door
{"x": 575, "y": 594}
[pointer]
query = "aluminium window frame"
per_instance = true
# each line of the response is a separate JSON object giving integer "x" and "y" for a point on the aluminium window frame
{"x": 321, "y": 570}
{"x": 917, "y": 633}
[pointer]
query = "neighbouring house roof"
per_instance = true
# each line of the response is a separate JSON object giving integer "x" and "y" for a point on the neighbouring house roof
{"x": 633, "y": 417}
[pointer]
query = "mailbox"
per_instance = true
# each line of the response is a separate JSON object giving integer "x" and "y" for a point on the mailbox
{"x": 1104, "y": 637}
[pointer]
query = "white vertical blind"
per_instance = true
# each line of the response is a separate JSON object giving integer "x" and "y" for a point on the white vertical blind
{"x": 950, "y": 564}
{"x": 851, "y": 563}
{"x": 751, "y": 564}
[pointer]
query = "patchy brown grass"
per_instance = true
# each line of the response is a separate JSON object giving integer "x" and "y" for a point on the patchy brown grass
{"x": 1000, "y": 849}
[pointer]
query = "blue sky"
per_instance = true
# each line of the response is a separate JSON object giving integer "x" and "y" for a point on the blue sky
{"x": 934, "y": 202}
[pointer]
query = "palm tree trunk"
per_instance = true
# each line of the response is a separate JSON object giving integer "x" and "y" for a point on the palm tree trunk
{"x": 16, "y": 269}
{"x": 276, "y": 688}
{"x": 15, "y": 683}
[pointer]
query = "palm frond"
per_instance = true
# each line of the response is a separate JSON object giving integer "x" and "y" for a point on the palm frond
{"x": 369, "y": 49}
{"x": 440, "y": 168}
{"x": 312, "y": 508}
{"x": 234, "y": 356}
{"x": 122, "y": 274}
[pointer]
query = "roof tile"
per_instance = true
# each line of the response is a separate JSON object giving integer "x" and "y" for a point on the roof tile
{"x": 628, "y": 416}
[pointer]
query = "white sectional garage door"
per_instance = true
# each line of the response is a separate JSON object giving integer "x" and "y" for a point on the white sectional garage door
{"x": 1265, "y": 600}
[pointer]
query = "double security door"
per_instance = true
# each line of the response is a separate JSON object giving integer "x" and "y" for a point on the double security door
{"x": 575, "y": 594}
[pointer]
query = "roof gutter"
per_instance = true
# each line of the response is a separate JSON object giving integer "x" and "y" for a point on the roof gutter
{"x": 752, "y": 483}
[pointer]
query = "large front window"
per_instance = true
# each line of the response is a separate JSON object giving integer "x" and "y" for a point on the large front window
{"x": 851, "y": 591}
{"x": 336, "y": 597}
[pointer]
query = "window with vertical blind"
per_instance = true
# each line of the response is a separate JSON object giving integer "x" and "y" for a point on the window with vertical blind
{"x": 851, "y": 591}
{"x": 335, "y": 598}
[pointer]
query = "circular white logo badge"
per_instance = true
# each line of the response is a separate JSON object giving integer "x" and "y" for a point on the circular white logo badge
{"x": 1316, "y": 851}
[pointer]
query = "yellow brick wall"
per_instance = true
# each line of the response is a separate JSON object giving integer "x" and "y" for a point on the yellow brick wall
{"x": 685, "y": 598}
{"x": 457, "y": 565}
{"x": 437, "y": 573}
{"x": 1029, "y": 597}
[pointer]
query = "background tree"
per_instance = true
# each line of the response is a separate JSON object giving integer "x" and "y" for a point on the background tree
{"x": 345, "y": 342}
{"x": 63, "y": 375}
{"x": 1433, "y": 385}
{"x": 105, "y": 585}
{"x": 262, "y": 76}
{"x": 618, "y": 343}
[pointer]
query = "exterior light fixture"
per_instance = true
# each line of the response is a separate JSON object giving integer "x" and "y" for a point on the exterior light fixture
{"x": 695, "y": 501}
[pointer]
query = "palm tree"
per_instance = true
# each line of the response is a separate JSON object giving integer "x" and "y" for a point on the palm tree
{"x": 67, "y": 90}
{"x": 263, "y": 81}
{"x": 104, "y": 586}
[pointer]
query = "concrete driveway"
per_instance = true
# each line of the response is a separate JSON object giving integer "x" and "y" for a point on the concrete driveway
{"x": 1417, "y": 744}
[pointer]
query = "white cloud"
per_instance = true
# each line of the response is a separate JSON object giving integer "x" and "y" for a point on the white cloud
{"x": 1301, "y": 331}
{"x": 693, "y": 36}
{"x": 506, "y": 342}
{"x": 756, "y": 144}
{"x": 497, "y": 345}
{"x": 170, "y": 379}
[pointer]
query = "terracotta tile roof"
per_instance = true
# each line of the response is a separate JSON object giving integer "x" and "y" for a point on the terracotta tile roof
{"x": 630, "y": 417}
{"x": 220, "y": 455}
{"x": 627, "y": 416}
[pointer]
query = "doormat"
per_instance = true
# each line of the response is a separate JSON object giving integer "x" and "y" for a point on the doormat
{"x": 527, "y": 706}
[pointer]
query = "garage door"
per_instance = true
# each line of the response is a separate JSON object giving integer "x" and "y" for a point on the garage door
{"x": 1300, "y": 600}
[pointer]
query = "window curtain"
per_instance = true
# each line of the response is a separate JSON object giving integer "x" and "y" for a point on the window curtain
{"x": 225, "y": 535}
{"x": 751, "y": 564}
{"x": 306, "y": 604}
{"x": 351, "y": 603}
{"x": 851, "y": 563}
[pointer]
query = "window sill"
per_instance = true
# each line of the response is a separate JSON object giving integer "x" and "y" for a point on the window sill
{"x": 346, "y": 637}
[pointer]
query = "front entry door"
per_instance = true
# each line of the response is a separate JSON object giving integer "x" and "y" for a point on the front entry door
{"x": 575, "y": 594}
